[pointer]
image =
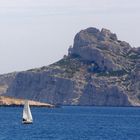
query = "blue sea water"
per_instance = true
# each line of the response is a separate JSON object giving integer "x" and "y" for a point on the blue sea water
{"x": 71, "y": 123}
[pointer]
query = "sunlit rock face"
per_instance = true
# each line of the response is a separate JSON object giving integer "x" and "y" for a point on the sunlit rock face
{"x": 99, "y": 70}
{"x": 101, "y": 47}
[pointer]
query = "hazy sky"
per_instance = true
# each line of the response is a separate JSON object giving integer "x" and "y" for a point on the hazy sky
{"x": 35, "y": 33}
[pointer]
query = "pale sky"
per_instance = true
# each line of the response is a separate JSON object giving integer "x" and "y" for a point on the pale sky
{"x": 34, "y": 33}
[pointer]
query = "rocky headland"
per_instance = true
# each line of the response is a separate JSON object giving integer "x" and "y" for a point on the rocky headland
{"x": 99, "y": 70}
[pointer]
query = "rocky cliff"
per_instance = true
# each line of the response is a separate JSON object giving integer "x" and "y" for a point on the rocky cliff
{"x": 5, "y": 81}
{"x": 98, "y": 70}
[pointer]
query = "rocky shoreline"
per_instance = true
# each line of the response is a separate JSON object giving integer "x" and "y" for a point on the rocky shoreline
{"x": 13, "y": 102}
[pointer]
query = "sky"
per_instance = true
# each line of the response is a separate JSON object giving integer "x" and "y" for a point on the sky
{"x": 35, "y": 33}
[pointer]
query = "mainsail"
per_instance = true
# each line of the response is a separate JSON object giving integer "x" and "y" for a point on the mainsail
{"x": 27, "y": 116}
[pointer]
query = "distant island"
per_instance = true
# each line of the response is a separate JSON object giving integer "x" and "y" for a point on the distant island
{"x": 99, "y": 70}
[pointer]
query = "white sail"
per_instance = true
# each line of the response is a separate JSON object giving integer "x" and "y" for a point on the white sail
{"x": 27, "y": 116}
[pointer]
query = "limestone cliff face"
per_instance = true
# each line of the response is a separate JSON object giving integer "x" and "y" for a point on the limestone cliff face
{"x": 5, "y": 81}
{"x": 102, "y": 48}
{"x": 41, "y": 86}
{"x": 99, "y": 70}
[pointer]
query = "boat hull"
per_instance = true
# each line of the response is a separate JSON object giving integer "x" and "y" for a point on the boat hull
{"x": 27, "y": 122}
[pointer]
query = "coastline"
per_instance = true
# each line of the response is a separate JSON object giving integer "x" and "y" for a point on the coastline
{"x": 14, "y": 102}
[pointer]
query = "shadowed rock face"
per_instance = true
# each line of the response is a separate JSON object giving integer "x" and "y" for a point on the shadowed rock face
{"x": 99, "y": 70}
{"x": 5, "y": 81}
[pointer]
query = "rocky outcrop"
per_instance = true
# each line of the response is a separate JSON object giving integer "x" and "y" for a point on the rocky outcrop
{"x": 7, "y": 101}
{"x": 99, "y": 70}
{"x": 102, "y": 48}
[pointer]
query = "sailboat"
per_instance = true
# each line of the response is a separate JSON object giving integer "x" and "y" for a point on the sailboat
{"x": 27, "y": 116}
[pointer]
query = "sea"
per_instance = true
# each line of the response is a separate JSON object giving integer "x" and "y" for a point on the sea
{"x": 71, "y": 123}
